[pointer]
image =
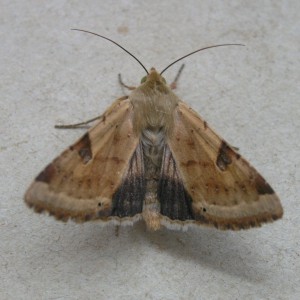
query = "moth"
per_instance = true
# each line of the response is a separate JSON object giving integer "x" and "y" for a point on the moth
{"x": 152, "y": 157}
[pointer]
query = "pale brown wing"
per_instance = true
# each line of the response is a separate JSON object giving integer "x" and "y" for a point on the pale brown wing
{"x": 98, "y": 177}
{"x": 224, "y": 190}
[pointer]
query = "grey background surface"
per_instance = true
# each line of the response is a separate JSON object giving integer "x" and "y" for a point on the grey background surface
{"x": 249, "y": 95}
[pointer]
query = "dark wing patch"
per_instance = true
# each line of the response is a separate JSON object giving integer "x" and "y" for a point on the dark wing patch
{"x": 175, "y": 202}
{"x": 84, "y": 148}
{"x": 128, "y": 199}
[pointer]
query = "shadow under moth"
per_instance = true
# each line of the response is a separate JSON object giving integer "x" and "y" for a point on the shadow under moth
{"x": 151, "y": 157}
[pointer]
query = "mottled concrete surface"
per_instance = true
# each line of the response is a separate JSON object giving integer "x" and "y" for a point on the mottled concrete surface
{"x": 250, "y": 95}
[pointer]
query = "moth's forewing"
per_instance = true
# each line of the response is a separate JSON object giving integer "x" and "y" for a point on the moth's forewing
{"x": 81, "y": 182}
{"x": 225, "y": 190}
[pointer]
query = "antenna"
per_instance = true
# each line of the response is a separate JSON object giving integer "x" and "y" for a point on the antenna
{"x": 114, "y": 43}
{"x": 221, "y": 45}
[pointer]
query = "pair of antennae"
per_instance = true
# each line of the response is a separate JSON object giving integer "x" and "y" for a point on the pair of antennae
{"x": 214, "y": 46}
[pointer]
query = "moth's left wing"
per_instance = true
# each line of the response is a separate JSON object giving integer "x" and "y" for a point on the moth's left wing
{"x": 205, "y": 181}
{"x": 101, "y": 176}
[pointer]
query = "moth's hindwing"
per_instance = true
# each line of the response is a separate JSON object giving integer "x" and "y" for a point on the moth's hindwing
{"x": 128, "y": 199}
{"x": 175, "y": 203}
{"x": 88, "y": 180}
{"x": 225, "y": 191}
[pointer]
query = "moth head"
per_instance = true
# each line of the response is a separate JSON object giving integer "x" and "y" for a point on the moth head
{"x": 153, "y": 76}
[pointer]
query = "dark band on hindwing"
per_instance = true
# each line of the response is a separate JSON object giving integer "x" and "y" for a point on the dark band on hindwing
{"x": 174, "y": 200}
{"x": 128, "y": 199}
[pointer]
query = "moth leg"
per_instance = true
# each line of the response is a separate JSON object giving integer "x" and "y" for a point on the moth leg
{"x": 131, "y": 88}
{"x": 69, "y": 126}
{"x": 173, "y": 85}
{"x": 81, "y": 124}
{"x": 237, "y": 149}
{"x": 117, "y": 230}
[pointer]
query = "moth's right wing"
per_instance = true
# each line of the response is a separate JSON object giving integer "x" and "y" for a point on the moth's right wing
{"x": 101, "y": 176}
{"x": 205, "y": 181}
